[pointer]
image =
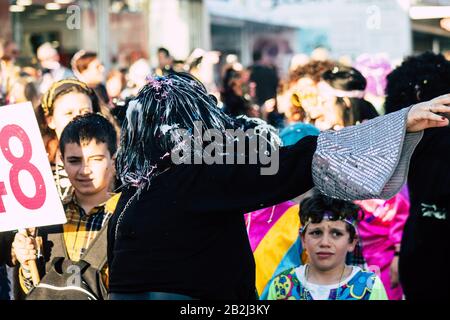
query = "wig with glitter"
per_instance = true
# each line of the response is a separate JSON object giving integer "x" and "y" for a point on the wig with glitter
{"x": 162, "y": 107}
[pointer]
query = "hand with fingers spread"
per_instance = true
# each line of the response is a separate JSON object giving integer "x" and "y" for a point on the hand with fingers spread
{"x": 425, "y": 115}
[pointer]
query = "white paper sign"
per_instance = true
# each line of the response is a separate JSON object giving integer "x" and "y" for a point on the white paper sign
{"x": 28, "y": 195}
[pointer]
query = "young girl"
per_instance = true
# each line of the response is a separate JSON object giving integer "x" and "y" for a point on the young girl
{"x": 328, "y": 234}
{"x": 65, "y": 100}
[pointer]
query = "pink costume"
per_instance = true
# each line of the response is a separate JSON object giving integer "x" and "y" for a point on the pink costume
{"x": 380, "y": 238}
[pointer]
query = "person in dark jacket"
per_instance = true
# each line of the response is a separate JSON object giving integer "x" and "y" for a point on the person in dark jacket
{"x": 424, "y": 238}
{"x": 178, "y": 231}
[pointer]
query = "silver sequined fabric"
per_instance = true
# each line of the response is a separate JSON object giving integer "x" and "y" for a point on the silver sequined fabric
{"x": 367, "y": 161}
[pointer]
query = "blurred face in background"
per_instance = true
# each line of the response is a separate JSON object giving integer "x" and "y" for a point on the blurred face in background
{"x": 23, "y": 90}
{"x": 245, "y": 76}
{"x": 48, "y": 57}
{"x": 66, "y": 108}
{"x": 322, "y": 109}
{"x": 115, "y": 84}
{"x": 17, "y": 93}
{"x": 94, "y": 74}
{"x": 308, "y": 97}
{"x": 333, "y": 113}
{"x": 11, "y": 52}
{"x": 137, "y": 74}
{"x": 236, "y": 83}
{"x": 164, "y": 60}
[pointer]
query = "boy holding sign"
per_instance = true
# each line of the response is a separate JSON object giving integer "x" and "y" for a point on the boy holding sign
{"x": 87, "y": 145}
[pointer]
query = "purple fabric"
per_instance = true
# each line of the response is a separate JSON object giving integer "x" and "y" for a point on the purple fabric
{"x": 380, "y": 237}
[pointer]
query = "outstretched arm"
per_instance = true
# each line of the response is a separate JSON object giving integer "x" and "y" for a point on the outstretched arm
{"x": 371, "y": 160}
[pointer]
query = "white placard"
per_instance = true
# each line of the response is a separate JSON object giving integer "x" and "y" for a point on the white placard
{"x": 28, "y": 195}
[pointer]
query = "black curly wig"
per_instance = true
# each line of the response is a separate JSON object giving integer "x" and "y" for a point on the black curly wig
{"x": 419, "y": 78}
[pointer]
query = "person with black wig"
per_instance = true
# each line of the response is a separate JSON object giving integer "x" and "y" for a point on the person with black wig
{"x": 424, "y": 237}
{"x": 178, "y": 231}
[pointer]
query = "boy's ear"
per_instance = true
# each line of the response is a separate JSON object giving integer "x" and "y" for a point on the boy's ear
{"x": 352, "y": 244}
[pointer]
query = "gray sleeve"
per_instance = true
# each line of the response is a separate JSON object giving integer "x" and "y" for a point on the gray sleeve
{"x": 367, "y": 161}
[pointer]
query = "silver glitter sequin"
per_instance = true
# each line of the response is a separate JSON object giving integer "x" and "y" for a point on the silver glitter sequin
{"x": 367, "y": 161}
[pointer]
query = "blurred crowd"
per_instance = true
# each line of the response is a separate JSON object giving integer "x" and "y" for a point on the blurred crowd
{"x": 317, "y": 94}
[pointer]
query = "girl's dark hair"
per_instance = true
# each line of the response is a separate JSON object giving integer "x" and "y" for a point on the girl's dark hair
{"x": 417, "y": 79}
{"x": 345, "y": 78}
{"x": 312, "y": 210}
{"x": 348, "y": 79}
{"x": 85, "y": 128}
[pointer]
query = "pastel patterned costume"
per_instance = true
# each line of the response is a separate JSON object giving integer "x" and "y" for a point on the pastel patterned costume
{"x": 360, "y": 285}
{"x": 276, "y": 245}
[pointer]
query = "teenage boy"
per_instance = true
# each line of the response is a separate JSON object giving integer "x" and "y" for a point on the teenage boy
{"x": 87, "y": 145}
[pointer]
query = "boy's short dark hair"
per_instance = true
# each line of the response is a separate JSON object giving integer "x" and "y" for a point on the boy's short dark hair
{"x": 312, "y": 210}
{"x": 87, "y": 127}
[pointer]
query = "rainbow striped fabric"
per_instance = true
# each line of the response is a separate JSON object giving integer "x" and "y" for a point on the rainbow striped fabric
{"x": 275, "y": 242}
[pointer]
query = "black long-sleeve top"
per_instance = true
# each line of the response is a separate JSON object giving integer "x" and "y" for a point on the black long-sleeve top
{"x": 186, "y": 234}
{"x": 425, "y": 236}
